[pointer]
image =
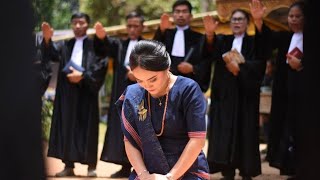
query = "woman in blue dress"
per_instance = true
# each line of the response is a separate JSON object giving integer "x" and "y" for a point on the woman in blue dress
{"x": 163, "y": 119}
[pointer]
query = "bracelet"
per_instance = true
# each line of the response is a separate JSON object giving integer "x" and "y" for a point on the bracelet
{"x": 139, "y": 174}
{"x": 169, "y": 176}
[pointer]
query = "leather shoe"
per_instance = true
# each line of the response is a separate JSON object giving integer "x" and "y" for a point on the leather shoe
{"x": 65, "y": 172}
{"x": 92, "y": 173}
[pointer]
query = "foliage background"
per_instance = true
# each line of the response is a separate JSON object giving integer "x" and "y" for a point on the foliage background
{"x": 108, "y": 12}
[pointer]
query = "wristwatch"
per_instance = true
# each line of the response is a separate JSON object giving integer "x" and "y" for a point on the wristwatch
{"x": 169, "y": 176}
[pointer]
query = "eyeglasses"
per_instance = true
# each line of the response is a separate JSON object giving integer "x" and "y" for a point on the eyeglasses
{"x": 237, "y": 19}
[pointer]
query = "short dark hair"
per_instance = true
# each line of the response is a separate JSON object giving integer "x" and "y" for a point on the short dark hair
{"x": 150, "y": 55}
{"x": 299, "y": 4}
{"x": 246, "y": 14}
{"x": 135, "y": 14}
{"x": 80, "y": 15}
{"x": 182, "y": 2}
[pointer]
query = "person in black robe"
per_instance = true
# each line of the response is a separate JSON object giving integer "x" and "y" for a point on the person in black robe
{"x": 286, "y": 89}
{"x": 183, "y": 44}
{"x": 20, "y": 130}
{"x": 75, "y": 121}
{"x": 42, "y": 67}
{"x": 233, "y": 130}
{"x": 119, "y": 50}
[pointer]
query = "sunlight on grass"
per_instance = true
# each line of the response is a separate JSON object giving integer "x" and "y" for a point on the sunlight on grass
{"x": 102, "y": 132}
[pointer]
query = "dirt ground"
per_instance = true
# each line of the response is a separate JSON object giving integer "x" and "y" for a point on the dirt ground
{"x": 104, "y": 170}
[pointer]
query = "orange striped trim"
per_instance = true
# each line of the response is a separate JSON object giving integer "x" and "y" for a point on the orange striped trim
{"x": 131, "y": 130}
{"x": 202, "y": 175}
{"x": 199, "y": 134}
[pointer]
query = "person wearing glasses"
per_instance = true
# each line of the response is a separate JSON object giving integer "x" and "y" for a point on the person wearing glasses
{"x": 75, "y": 121}
{"x": 233, "y": 130}
{"x": 119, "y": 50}
{"x": 183, "y": 43}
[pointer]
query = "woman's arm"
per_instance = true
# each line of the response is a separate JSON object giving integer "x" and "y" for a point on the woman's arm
{"x": 188, "y": 156}
{"x": 136, "y": 161}
{"x": 257, "y": 10}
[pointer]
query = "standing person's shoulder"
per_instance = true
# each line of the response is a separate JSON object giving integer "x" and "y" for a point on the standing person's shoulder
{"x": 196, "y": 33}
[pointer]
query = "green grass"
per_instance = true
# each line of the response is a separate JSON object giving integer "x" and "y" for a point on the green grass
{"x": 102, "y": 132}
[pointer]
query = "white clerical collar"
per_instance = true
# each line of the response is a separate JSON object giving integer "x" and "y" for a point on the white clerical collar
{"x": 237, "y": 42}
{"x": 296, "y": 42}
{"x": 81, "y": 38}
{"x": 77, "y": 51}
{"x": 182, "y": 27}
{"x": 178, "y": 46}
{"x": 131, "y": 44}
{"x": 239, "y": 35}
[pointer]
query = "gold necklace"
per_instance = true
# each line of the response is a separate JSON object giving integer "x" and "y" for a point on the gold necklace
{"x": 164, "y": 112}
{"x": 165, "y": 107}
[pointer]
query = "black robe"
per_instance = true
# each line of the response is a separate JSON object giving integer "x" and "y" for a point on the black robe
{"x": 285, "y": 101}
{"x": 75, "y": 122}
{"x": 113, "y": 148}
{"x": 233, "y": 130}
{"x": 194, "y": 40}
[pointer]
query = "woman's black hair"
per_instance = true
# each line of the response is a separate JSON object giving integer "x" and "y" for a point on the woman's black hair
{"x": 299, "y": 4}
{"x": 150, "y": 55}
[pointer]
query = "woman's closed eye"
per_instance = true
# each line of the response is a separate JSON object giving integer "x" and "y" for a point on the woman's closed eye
{"x": 153, "y": 80}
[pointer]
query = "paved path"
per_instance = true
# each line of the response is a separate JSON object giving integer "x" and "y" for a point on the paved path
{"x": 104, "y": 170}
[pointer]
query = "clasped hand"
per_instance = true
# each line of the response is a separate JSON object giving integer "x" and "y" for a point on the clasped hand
{"x": 75, "y": 76}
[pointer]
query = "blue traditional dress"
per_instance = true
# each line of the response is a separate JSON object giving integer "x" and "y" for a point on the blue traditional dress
{"x": 184, "y": 119}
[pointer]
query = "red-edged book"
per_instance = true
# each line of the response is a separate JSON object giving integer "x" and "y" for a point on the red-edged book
{"x": 296, "y": 52}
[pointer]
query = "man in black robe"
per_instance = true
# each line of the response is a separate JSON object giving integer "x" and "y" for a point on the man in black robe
{"x": 183, "y": 44}
{"x": 42, "y": 67}
{"x": 75, "y": 122}
{"x": 113, "y": 149}
{"x": 233, "y": 131}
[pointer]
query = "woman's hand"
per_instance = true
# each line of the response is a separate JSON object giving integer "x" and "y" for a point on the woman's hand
{"x": 158, "y": 177}
{"x": 257, "y": 10}
{"x": 210, "y": 25}
{"x": 233, "y": 67}
{"x": 294, "y": 62}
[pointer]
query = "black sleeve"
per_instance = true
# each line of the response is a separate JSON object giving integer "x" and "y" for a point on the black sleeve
{"x": 94, "y": 77}
{"x": 52, "y": 51}
{"x": 106, "y": 47}
{"x": 159, "y": 36}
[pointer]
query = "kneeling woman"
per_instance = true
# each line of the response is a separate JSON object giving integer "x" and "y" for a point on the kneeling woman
{"x": 163, "y": 119}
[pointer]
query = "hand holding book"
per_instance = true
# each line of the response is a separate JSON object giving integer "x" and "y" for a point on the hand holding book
{"x": 233, "y": 55}
{"x": 296, "y": 52}
{"x": 66, "y": 68}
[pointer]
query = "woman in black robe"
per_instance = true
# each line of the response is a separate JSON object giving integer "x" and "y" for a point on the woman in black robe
{"x": 234, "y": 110}
{"x": 286, "y": 90}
